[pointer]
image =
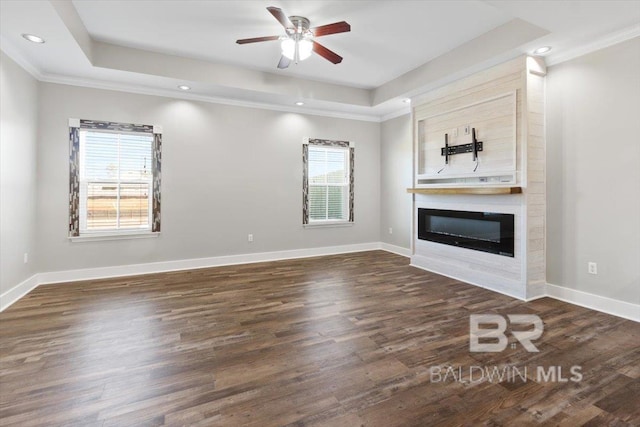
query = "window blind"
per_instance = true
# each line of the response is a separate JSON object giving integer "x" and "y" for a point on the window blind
{"x": 116, "y": 173}
{"x": 328, "y": 183}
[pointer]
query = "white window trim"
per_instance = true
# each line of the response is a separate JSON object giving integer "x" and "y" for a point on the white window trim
{"x": 329, "y": 224}
{"x": 113, "y": 234}
{"x": 322, "y": 223}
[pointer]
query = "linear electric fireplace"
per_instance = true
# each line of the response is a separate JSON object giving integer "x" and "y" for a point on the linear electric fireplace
{"x": 481, "y": 231}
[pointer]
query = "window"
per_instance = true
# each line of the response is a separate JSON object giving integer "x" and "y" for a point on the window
{"x": 115, "y": 179}
{"x": 328, "y": 182}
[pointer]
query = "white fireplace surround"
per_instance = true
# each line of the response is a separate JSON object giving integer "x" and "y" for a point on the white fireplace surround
{"x": 496, "y": 272}
{"x": 512, "y": 128}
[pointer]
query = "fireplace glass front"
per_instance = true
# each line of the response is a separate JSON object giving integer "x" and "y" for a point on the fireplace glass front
{"x": 482, "y": 231}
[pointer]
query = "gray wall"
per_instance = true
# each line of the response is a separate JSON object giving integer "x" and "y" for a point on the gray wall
{"x": 227, "y": 172}
{"x": 593, "y": 172}
{"x": 396, "y": 175}
{"x": 18, "y": 124}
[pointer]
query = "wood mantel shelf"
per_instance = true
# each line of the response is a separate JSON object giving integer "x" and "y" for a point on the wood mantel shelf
{"x": 466, "y": 190}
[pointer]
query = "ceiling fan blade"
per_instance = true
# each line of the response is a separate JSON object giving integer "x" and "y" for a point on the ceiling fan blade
{"x": 284, "y": 62}
{"x": 280, "y": 16}
{"x": 257, "y": 39}
{"x": 327, "y": 54}
{"x": 336, "y": 27}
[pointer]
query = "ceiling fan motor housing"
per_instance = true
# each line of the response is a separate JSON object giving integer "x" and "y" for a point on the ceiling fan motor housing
{"x": 300, "y": 23}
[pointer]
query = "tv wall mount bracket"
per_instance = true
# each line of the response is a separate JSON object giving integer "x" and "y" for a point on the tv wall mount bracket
{"x": 449, "y": 150}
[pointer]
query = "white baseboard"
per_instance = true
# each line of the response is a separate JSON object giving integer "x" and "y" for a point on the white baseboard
{"x": 611, "y": 306}
{"x": 18, "y": 291}
{"x": 595, "y": 302}
{"x": 398, "y": 250}
{"x": 196, "y": 263}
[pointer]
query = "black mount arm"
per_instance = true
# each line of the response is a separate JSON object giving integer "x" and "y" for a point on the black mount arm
{"x": 449, "y": 150}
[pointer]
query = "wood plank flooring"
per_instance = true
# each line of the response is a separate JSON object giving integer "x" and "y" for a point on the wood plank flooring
{"x": 345, "y": 340}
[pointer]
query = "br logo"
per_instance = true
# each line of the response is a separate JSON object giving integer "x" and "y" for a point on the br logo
{"x": 478, "y": 336}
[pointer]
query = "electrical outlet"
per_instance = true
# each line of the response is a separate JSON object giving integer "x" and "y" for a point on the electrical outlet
{"x": 390, "y": 230}
{"x": 250, "y": 238}
{"x": 467, "y": 129}
{"x": 592, "y": 268}
{"x": 26, "y": 257}
{"x": 454, "y": 132}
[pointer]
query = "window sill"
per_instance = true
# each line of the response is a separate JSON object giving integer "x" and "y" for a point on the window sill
{"x": 97, "y": 237}
{"x": 328, "y": 224}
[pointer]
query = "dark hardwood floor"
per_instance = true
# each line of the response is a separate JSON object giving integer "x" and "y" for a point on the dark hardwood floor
{"x": 344, "y": 340}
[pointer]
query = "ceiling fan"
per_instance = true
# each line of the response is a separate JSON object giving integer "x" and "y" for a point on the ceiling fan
{"x": 298, "y": 43}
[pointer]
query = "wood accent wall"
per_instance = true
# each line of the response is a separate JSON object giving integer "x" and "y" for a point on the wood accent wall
{"x": 495, "y": 122}
{"x": 486, "y": 85}
{"x": 524, "y": 77}
{"x": 535, "y": 191}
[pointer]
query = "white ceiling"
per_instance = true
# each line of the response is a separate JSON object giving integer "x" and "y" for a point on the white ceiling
{"x": 388, "y": 38}
{"x": 194, "y": 42}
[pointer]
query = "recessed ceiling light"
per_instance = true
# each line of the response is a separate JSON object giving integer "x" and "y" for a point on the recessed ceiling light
{"x": 32, "y": 38}
{"x": 541, "y": 50}
{"x": 184, "y": 87}
{"x": 407, "y": 100}
{"x": 299, "y": 103}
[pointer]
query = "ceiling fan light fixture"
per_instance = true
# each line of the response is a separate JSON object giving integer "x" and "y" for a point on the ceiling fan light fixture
{"x": 305, "y": 47}
{"x": 288, "y": 48}
{"x": 299, "y": 43}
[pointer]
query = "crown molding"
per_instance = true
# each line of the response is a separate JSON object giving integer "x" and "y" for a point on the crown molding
{"x": 600, "y": 43}
{"x": 401, "y": 112}
{"x": 123, "y": 87}
{"x": 13, "y": 52}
